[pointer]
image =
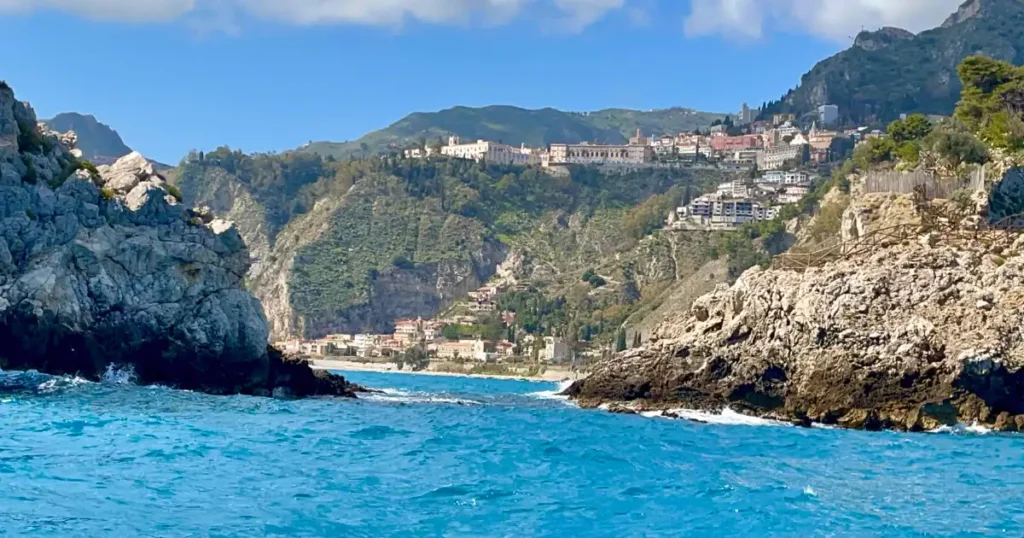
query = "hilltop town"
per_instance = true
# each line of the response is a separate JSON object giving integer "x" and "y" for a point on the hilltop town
{"x": 777, "y": 160}
{"x": 774, "y": 143}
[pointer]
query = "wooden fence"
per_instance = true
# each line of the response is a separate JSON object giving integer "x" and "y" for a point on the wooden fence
{"x": 934, "y": 187}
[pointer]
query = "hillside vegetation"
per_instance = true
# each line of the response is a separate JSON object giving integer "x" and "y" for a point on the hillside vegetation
{"x": 346, "y": 245}
{"x": 515, "y": 126}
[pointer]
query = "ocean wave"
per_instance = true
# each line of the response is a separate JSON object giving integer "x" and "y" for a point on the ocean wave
{"x": 60, "y": 383}
{"x": 401, "y": 396}
{"x": 727, "y": 417}
{"x": 554, "y": 394}
{"x": 962, "y": 429}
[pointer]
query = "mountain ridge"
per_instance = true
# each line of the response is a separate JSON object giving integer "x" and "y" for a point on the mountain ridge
{"x": 892, "y": 71}
{"x": 99, "y": 142}
{"x": 515, "y": 126}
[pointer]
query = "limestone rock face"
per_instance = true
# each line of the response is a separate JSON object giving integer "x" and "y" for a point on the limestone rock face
{"x": 125, "y": 276}
{"x": 909, "y": 336}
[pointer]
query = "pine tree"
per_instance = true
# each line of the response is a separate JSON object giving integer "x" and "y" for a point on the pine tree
{"x": 620, "y": 341}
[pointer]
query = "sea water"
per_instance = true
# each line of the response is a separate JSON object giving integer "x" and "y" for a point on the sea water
{"x": 460, "y": 457}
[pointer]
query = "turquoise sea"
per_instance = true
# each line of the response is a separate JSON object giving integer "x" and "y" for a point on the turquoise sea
{"x": 444, "y": 456}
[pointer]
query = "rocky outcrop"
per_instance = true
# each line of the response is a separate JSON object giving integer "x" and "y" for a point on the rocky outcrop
{"x": 882, "y": 38}
{"x": 907, "y": 336}
{"x": 106, "y": 266}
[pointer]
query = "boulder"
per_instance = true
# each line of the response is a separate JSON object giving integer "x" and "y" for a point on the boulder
{"x": 128, "y": 172}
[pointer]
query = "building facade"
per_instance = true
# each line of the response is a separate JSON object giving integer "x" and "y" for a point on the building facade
{"x": 775, "y": 158}
{"x": 716, "y": 213}
{"x": 555, "y": 350}
{"x": 593, "y": 154}
{"x": 735, "y": 143}
{"x": 828, "y": 114}
{"x": 489, "y": 152}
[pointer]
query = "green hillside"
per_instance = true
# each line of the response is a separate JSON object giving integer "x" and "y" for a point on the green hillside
{"x": 352, "y": 245}
{"x": 892, "y": 71}
{"x": 515, "y": 126}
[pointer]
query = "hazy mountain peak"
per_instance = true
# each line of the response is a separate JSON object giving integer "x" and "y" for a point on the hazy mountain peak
{"x": 99, "y": 142}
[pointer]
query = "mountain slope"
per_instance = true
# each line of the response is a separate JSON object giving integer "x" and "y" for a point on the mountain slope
{"x": 350, "y": 246}
{"x": 516, "y": 126}
{"x": 99, "y": 143}
{"x": 892, "y": 71}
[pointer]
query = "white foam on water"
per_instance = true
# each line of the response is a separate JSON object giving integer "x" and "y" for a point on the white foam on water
{"x": 62, "y": 382}
{"x": 973, "y": 429}
{"x": 554, "y": 394}
{"x": 401, "y": 396}
{"x": 978, "y": 429}
{"x": 809, "y": 491}
{"x": 727, "y": 417}
{"x": 114, "y": 375}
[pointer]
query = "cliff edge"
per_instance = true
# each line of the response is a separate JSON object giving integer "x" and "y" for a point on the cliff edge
{"x": 106, "y": 266}
{"x": 921, "y": 330}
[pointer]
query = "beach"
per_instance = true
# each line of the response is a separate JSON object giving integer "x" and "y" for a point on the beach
{"x": 553, "y": 374}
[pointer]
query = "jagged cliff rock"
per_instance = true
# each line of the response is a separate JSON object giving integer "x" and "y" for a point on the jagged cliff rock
{"x": 101, "y": 267}
{"x": 909, "y": 336}
{"x": 98, "y": 142}
{"x": 871, "y": 41}
{"x": 891, "y": 71}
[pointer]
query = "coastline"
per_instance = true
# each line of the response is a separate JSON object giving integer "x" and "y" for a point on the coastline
{"x": 551, "y": 375}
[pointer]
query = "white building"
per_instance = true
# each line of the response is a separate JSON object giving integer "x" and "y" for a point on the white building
{"x": 734, "y": 189}
{"x": 489, "y": 152}
{"x": 828, "y": 114}
{"x": 775, "y": 157}
{"x": 792, "y": 194}
{"x": 712, "y": 212}
{"x": 409, "y": 331}
{"x": 785, "y": 178}
{"x": 466, "y": 349}
{"x": 555, "y": 350}
{"x": 366, "y": 345}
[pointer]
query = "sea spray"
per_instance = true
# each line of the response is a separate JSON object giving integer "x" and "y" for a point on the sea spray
{"x": 557, "y": 394}
{"x": 119, "y": 375}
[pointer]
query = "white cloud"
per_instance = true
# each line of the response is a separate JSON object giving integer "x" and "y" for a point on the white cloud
{"x": 576, "y": 14}
{"x": 837, "y": 20}
{"x": 114, "y": 10}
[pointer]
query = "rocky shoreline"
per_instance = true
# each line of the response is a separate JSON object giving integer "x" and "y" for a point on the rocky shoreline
{"x": 106, "y": 266}
{"x": 913, "y": 335}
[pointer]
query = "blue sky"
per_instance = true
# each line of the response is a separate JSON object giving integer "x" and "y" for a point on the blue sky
{"x": 203, "y": 73}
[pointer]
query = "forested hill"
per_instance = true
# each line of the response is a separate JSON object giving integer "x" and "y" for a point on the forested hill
{"x": 515, "y": 126}
{"x": 892, "y": 71}
{"x": 352, "y": 245}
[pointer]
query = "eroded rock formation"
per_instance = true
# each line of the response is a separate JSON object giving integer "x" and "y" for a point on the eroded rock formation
{"x": 911, "y": 335}
{"x": 106, "y": 266}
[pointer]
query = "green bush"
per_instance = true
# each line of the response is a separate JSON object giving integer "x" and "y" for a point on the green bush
{"x": 402, "y": 262}
{"x": 107, "y": 193}
{"x": 174, "y": 191}
{"x": 31, "y": 176}
{"x": 31, "y": 140}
